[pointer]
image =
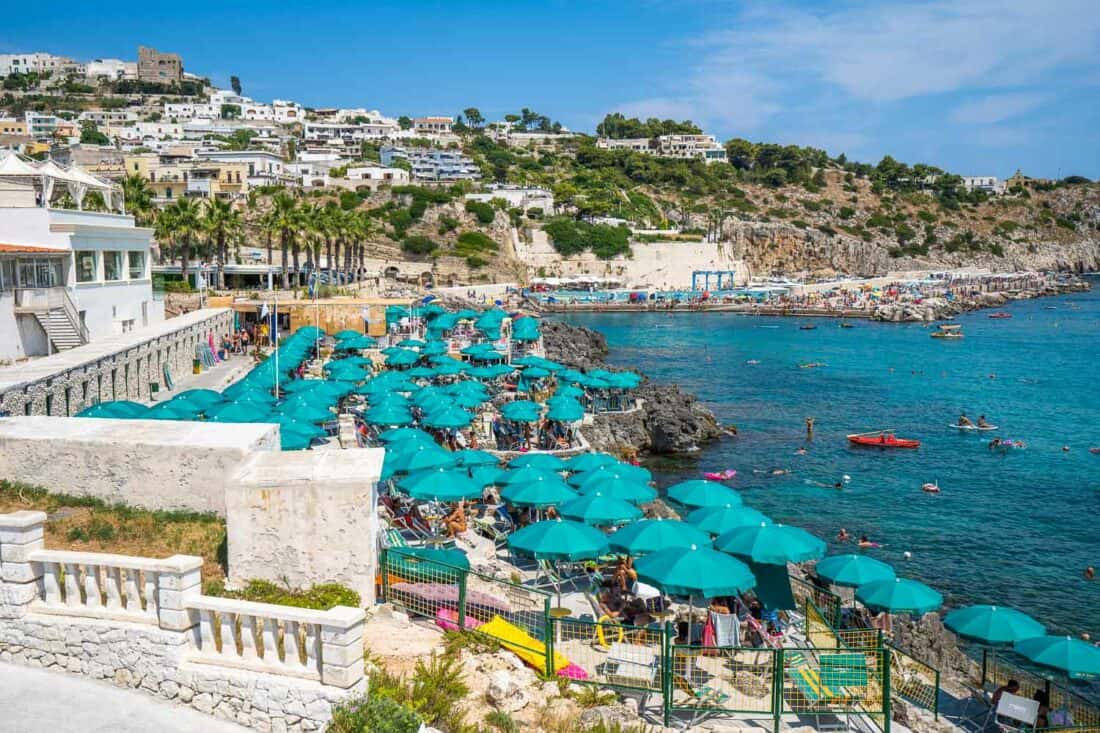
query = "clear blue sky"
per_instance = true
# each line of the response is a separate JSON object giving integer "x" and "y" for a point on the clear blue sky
{"x": 979, "y": 87}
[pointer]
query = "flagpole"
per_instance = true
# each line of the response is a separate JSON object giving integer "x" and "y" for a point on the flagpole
{"x": 275, "y": 333}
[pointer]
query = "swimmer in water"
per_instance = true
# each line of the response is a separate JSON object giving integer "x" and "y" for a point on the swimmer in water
{"x": 842, "y": 535}
{"x": 865, "y": 542}
{"x": 1090, "y": 572}
{"x": 800, "y": 452}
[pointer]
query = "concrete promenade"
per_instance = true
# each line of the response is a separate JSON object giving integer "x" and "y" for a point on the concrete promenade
{"x": 37, "y": 701}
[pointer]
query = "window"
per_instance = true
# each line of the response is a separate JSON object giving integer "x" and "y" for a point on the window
{"x": 86, "y": 268}
{"x": 137, "y": 265}
{"x": 7, "y": 274}
{"x": 112, "y": 265}
{"x": 167, "y": 193}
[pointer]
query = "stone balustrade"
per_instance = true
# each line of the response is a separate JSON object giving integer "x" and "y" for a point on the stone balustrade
{"x": 297, "y": 642}
{"x": 144, "y": 623}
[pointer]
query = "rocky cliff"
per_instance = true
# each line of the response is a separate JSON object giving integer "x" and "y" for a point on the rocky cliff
{"x": 670, "y": 421}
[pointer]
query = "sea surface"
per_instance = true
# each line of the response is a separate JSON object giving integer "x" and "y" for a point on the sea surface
{"x": 1015, "y": 530}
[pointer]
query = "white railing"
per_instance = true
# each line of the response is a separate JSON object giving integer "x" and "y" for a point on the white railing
{"x": 265, "y": 637}
{"x": 103, "y": 586}
{"x": 323, "y": 646}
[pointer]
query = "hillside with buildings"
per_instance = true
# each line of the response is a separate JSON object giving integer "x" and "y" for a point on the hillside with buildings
{"x": 356, "y": 193}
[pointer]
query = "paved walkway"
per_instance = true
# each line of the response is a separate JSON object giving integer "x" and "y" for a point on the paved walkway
{"x": 217, "y": 378}
{"x": 37, "y": 701}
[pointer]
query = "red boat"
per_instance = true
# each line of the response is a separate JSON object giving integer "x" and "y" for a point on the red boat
{"x": 882, "y": 440}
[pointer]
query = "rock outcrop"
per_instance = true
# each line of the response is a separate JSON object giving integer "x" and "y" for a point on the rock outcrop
{"x": 933, "y": 309}
{"x": 670, "y": 421}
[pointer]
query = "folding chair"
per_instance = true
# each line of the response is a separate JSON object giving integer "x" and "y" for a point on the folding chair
{"x": 702, "y": 697}
{"x": 1015, "y": 713}
{"x": 633, "y": 666}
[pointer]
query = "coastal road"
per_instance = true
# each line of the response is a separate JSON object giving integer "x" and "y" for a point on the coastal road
{"x": 37, "y": 701}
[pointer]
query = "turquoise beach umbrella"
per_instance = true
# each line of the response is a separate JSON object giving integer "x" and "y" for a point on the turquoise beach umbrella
{"x": 536, "y": 373}
{"x": 467, "y": 401}
{"x": 719, "y": 519}
{"x": 421, "y": 372}
{"x": 412, "y": 343}
{"x": 415, "y": 457}
{"x": 652, "y": 535}
{"x": 237, "y": 412}
{"x": 696, "y": 570}
{"x": 545, "y": 461}
{"x": 557, "y": 539}
{"x": 202, "y": 398}
{"x": 116, "y": 409}
{"x": 472, "y": 457}
{"x": 434, "y": 348}
{"x": 400, "y": 435}
{"x": 1077, "y": 659}
{"x": 521, "y": 411}
{"x": 388, "y": 415}
{"x": 441, "y": 485}
{"x": 565, "y": 409}
{"x": 356, "y": 343}
{"x": 900, "y": 595}
{"x": 539, "y": 495}
{"x": 493, "y": 371}
{"x": 361, "y": 361}
{"x": 347, "y": 333}
{"x": 254, "y": 396}
{"x": 305, "y": 412}
{"x": 447, "y": 418}
{"x": 699, "y": 493}
{"x": 620, "y": 488}
{"x": 590, "y": 462}
{"x": 595, "y": 479}
{"x": 852, "y": 571}
{"x": 599, "y": 510}
{"x": 617, "y": 470}
{"x": 402, "y": 358}
{"x": 771, "y": 544}
{"x": 294, "y": 440}
{"x": 530, "y": 474}
{"x": 289, "y": 422}
{"x": 470, "y": 389}
{"x": 568, "y": 390}
{"x": 450, "y": 368}
{"x": 346, "y": 372}
{"x": 488, "y": 476}
{"x": 427, "y": 564}
{"x": 993, "y": 624}
{"x": 173, "y": 410}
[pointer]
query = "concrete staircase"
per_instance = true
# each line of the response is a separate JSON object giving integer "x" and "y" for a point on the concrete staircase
{"x": 62, "y": 332}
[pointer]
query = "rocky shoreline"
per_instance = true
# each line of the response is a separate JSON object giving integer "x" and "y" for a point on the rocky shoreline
{"x": 670, "y": 420}
{"x": 934, "y": 309}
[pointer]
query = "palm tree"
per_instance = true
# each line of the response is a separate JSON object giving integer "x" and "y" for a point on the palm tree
{"x": 180, "y": 224}
{"x": 368, "y": 229}
{"x": 283, "y": 220}
{"x": 222, "y": 224}
{"x": 138, "y": 199}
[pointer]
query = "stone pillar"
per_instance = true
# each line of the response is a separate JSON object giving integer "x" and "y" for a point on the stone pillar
{"x": 21, "y": 533}
{"x": 180, "y": 578}
{"x": 342, "y": 646}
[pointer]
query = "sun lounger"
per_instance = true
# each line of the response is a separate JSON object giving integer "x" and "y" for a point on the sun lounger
{"x": 700, "y": 697}
{"x": 839, "y": 680}
{"x": 632, "y": 665}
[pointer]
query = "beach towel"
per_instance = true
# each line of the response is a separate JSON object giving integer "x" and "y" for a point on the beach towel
{"x": 727, "y": 629}
{"x": 213, "y": 348}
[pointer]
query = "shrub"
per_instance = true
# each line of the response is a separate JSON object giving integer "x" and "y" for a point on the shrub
{"x": 177, "y": 286}
{"x": 319, "y": 597}
{"x": 373, "y": 714}
{"x": 447, "y": 223}
{"x": 846, "y": 212}
{"x": 810, "y": 205}
{"x": 474, "y": 262}
{"x": 417, "y": 245}
{"x": 483, "y": 211}
{"x": 926, "y": 216}
{"x": 474, "y": 243}
{"x": 571, "y": 237}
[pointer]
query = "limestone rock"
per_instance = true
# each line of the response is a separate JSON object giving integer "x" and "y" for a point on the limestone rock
{"x": 505, "y": 692}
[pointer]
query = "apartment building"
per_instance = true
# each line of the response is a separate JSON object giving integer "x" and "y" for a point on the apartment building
{"x": 705, "y": 147}
{"x": 170, "y": 177}
{"x": 106, "y": 117}
{"x": 40, "y": 124}
{"x": 518, "y": 197}
{"x": 12, "y": 126}
{"x": 41, "y": 63}
{"x": 989, "y": 184}
{"x": 427, "y": 126}
{"x": 433, "y": 164}
{"x": 264, "y": 168}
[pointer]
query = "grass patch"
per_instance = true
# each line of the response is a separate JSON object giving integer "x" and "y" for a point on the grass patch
{"x": 88, "y": 524}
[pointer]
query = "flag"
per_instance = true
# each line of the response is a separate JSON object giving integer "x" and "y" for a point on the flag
{"x": 264, "y": 311}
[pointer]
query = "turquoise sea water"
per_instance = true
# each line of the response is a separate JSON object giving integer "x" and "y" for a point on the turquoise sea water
{"x": 1015, "y": 529}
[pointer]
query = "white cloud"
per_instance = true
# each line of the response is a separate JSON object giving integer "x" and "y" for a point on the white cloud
{"x": 996, "y": 108}
{"x": 774, "y": 58}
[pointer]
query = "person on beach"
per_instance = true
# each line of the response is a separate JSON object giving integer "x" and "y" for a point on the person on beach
{"x": 455, "y": 522}
{"x": 964, "y": 421}
{"x": 1011, "y": 688}
{"x": 624, "y": 575}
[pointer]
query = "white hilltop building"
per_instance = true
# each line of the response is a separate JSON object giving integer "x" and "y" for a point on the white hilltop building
{"x": 67, "y": 276}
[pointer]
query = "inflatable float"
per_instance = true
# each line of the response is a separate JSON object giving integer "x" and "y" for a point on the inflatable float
{"x": 528, "y": 648}
{"x": 930, "y": 488}
{"x": 720, "y": 475}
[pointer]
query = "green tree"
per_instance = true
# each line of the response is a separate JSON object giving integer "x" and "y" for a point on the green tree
{"x": 180, "y": 227}
{"x": 90, "y": 134}
{"x": 235, "y": 84}
{"x": 741, "y": 153}
{"x": 230, "y": 111}
{"x": 474, "y": 117}
{"x": 138, "y": 199}
{"x": 404, "y": 122}
{"x": 283, "y": 221}
{"x": 223, "y": 226}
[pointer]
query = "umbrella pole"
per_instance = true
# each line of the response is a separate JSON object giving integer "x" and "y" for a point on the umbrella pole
{"x": 691, "y": 616}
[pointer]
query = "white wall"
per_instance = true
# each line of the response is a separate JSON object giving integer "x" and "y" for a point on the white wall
{"x": 662, "y": 265}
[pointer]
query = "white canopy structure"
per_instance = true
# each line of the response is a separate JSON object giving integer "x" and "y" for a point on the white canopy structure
{"x": 46, "y": 174}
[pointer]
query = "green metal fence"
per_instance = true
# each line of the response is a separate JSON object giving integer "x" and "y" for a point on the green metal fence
{"x": 457, "y": 598}
{"x": 828, "y": 603}
{"x": 914, "y": 680}
{"x": 997, "y": 671}
{"x": 611, "y": 654}
{"x": 720, "y": 681}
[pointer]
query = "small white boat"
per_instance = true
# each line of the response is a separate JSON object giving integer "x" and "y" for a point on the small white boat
{"x": 972, "y": 428}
